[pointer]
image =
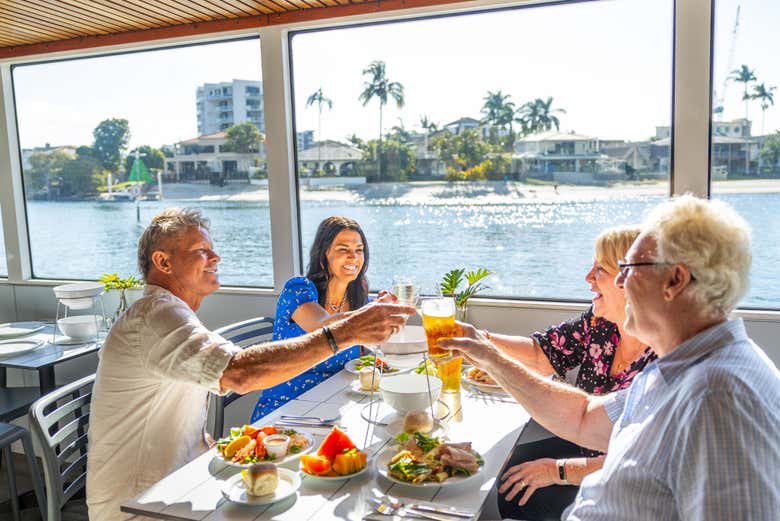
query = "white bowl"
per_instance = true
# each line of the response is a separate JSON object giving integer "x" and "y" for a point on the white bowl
{"x": 410, "y": 339}
{"x": 78, "y": 303}
{"x": 409, "y": 392}
{"x": 79, "y": 290}
{"x": 80, "y": 327}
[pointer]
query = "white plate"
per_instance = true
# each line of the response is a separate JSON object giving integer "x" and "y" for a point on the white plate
{"x": 350, "y": 367}
{"x": 20, "y": 329}
{"x": 17, "y": 347}
{"x": 387, "y": 454}
{"x": 396, "y": 427}
{"x": 289, "y": 457}
{"x": 488, "y": 388}
{"x": 79, "y": 290}
{"x": 410, "y": 339}
{"x": 369, "y": 461}
{"x": 234, "y": 490}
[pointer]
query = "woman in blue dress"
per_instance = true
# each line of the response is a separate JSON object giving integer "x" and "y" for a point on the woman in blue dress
{"x": 335, "y": 284}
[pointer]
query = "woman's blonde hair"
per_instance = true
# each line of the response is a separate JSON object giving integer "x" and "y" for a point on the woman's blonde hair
{"x": 612, "y": 245}
{"x": 164, "y": 227}
{"x": 713, "y": 240}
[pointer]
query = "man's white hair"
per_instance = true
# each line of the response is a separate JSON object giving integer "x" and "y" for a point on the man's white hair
{"x": 713, "y": 240}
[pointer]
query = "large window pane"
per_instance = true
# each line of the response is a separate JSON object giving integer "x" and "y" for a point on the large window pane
{"x": 108, "y": 142}
{"x": 521, "y": 135}
{"x": 746, "y": 132}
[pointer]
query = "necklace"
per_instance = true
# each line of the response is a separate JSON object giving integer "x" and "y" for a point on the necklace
{"x": 336, "y": 308}
{"x": 622, "y": 363}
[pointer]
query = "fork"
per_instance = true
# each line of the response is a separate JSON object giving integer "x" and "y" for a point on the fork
{"x": 390, "y": 508}
{"x": 309, "y": 419}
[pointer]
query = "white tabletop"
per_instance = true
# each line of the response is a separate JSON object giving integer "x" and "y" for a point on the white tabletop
{"x": 492, "y": 423}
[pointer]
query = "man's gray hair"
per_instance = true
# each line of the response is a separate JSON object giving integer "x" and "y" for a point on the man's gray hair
{"x": 165, "y": 226}
{"x": 713, "y": 240}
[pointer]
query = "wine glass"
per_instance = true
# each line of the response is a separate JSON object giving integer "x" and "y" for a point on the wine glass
{"x": 407, "y": 292}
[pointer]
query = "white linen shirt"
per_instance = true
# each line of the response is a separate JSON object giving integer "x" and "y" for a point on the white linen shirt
{"x": 149, "y": 400}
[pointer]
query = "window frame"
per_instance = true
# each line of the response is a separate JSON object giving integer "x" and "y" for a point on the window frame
{"x": 690, "y": 150}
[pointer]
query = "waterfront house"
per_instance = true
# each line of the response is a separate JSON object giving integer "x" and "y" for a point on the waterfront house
{"x": 204, "y": 157}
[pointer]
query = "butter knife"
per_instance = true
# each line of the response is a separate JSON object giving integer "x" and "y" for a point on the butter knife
{"x": 444, "y": 511}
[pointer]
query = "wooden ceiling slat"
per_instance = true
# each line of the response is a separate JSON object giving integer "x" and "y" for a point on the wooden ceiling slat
{"x": 248, "y": 6}
{"x": 77, "y": 18}
{"x": 28, "y": 19}
{"x": 37, "y": 27}
{"x": 167, "y": 15}
{"x": 218, "y": 8}
{"x": 190, "y": 7}
{"x": 138, "y": 18}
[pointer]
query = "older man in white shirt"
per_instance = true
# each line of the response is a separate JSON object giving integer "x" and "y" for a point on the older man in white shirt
{"x": 695, "y": 437}
{"x": 159, "y": 363}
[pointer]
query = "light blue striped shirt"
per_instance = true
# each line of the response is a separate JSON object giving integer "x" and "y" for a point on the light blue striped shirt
{"x": 695, "y": 437}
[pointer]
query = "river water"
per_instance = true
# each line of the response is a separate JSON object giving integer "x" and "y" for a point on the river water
{"x": 537, "y": 248}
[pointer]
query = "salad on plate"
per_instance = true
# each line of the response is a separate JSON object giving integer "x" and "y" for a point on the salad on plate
{"x": 244, "y": 445}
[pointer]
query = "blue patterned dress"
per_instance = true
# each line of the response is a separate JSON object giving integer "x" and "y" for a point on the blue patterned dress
{"x": 297, "y": 291}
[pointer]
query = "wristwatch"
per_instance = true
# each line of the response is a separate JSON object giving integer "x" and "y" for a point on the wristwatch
{"x": 562, "y": 471}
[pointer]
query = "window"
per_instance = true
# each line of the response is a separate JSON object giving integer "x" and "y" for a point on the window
{"x": 745, "y": 166}
{"x": 522, "y": 134}
{"x": 111, "y": 139}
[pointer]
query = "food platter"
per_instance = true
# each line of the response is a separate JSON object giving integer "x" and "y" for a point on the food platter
{"x": 282, "y": 461}
{"x": 234, "y": 490}
{"x": 398, "y": 366}
{"x": 369, "y": 461}
{"x": 384, "y": 457}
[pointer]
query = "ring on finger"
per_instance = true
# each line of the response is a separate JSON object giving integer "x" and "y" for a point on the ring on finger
{"x": 522, "y": 484}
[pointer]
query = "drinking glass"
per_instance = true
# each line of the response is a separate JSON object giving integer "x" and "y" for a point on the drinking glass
{"x": 406, "y": 290}
{"x": 438, "y": 317}
{"x": 448, "y": 370}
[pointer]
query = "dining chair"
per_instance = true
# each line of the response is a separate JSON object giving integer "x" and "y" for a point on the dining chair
{"x": 59, "y": 422}
{"x": 243, "y": 334}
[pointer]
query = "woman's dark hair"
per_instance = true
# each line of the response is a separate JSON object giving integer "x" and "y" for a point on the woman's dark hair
{"x": 319, "y": 272}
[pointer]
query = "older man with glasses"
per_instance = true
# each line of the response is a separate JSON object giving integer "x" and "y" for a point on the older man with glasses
{"x": 695, "y": 437}
{"x": 159, "y": 363}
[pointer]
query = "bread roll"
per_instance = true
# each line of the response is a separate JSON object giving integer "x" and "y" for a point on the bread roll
{"x": 261, "y": 479}
{"x": 418, "y": 421}
{"x": 365, "y": 378}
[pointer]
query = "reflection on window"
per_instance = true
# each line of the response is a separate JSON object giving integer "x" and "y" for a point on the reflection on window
{"x": 121, "y": 137}
{"x": 745, "y": 154}
{"x": 504, "y": 140}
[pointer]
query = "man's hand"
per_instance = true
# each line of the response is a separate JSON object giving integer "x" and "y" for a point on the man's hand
{"x": 371, "y": 324}
{"x": 527, "y": 477}
{"x": 385, "y": 296}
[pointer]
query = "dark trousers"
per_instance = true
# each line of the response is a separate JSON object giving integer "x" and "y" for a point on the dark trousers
{"x": 546, "y": 503}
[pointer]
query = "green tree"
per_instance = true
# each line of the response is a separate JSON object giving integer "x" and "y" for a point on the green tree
{"x": 499, "y": 113}
{"x": 152, "y": 158}
{"x": 538, "y": 115}
{"x": 744, "y": 76}
{"x": 81, "y": 177}
{"x": 44, "y": 168}
{"x": 378, "y": 86}
{"x": 465, "y": 155}
{"x": 244, "y": 138}
{"x": 111, "y": 138}
{"x": 770, "y": 151}
{"x": 397, "y": 160}
{"x": 764, "y": 95}
{"x": 320, "y": 99}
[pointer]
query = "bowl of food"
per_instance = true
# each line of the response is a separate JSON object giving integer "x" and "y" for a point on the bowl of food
{"x": 80, "y": 327}
{"x": 409, "y": 392}
{"x": 408, "y": 340}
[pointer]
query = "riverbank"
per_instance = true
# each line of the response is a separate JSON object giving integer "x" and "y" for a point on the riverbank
{"x": 442, "y": 192}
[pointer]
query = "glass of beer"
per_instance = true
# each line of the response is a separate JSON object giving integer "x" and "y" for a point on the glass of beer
{"x": 448, "y": 370}
{"x": 438, "y": 317}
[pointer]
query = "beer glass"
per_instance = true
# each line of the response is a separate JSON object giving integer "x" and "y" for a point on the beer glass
{"x": 438, "y": 317}
{"x": 448, "y": 370}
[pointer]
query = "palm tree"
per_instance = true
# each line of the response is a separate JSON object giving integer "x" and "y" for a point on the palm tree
{"x": 429, "y": 127}
{"x": 319, "y": 98}
{"x": 380, "y": 87}
{"x": 499, "y": 112}
{"x": 538, "y": 115}
{"x": 743, "y": 75}
{"x": 764, "y": 94}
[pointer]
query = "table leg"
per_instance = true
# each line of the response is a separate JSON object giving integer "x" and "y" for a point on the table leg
{"x": 3, "y": 381}
{"x": 46, "y": 379}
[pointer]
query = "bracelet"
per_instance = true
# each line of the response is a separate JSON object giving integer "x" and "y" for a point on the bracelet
{"x": 561, "y": 463}
{"x": 331, "y": 339}
{"x": 487, "y": 334}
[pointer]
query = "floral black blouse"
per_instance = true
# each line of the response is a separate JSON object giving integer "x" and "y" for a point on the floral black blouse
{"x": 589, "y": 342}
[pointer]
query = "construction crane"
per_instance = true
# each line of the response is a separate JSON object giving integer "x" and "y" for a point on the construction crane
{"x": 720, "y": 96}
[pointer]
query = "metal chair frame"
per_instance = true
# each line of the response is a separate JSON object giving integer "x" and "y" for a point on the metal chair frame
{"x": 243, "y": 334}
{"x": 61, "y": 432}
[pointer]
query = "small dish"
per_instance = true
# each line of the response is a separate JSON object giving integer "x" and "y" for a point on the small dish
{"x": 17, "y": 347}
{"x": 369, "y": 462}
{"x": 276, "y": 445}
{"x": 384, "y": 457}
{"x": 20, "y": 329}
{"x": 234, "y": 489}
{"x": 355, "y": 388}
{"x": 487, "y": 388}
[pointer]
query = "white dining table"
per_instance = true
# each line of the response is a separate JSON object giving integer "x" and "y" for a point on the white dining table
{"x": 492, "y": 423}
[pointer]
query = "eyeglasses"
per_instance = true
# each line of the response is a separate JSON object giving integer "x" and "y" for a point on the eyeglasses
{"x": 623, "y": 266}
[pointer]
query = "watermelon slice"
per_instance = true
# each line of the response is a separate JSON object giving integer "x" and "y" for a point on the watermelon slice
{"x": 336, "y": 442}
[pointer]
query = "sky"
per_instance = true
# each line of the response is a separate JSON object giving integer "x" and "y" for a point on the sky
{"x": 607, "y": 63}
